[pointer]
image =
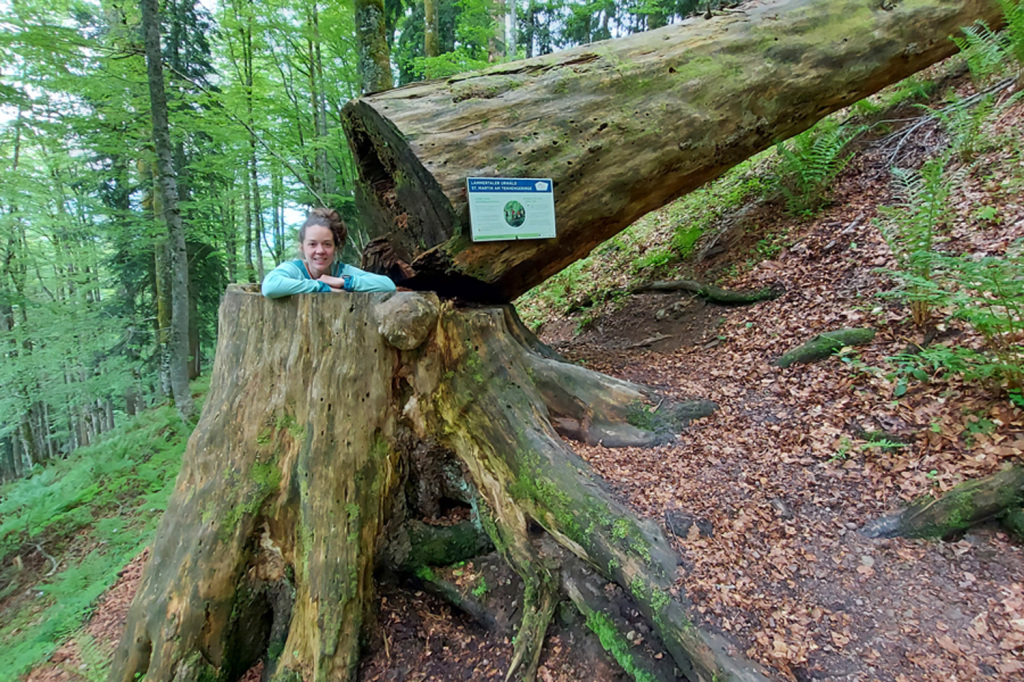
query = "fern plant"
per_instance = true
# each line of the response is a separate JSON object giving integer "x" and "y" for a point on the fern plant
{"x": 964, "y": 120}
{"x": 810, "y": 162}
{"x": 988, "y": 294}
{"x": 911, "y": 227}
{"x": 987, "y": 52}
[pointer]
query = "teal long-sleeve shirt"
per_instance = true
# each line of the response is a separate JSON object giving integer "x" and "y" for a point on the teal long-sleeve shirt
{"x": 292, "y": 277}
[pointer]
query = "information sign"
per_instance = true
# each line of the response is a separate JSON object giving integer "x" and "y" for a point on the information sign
{"x": 511, "y": 208}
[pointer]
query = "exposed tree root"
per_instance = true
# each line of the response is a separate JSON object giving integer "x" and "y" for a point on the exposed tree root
{"x": 706, "y": 291}
{"x": 824, "y": 345}
{"x": 711, "y": 293}
{"x": 965, "y": 505}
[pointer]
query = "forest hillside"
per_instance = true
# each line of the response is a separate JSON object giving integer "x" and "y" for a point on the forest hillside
{"x": 903, "y": 216}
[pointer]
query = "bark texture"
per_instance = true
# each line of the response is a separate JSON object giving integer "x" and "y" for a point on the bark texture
{"x": 372, "y": 46}
{"x": 623, "y": 126}
{"x": 295, "y": 483}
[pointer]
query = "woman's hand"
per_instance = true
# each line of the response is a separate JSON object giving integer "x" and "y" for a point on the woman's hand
{"x": 335, "y": 283}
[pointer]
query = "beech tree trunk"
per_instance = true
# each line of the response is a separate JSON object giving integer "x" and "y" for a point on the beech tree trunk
{"x": 167, "y": 188}
{"x": 296, "y": 479}
{"x": 623, "y": 126}
{"x": 372, "y": 46}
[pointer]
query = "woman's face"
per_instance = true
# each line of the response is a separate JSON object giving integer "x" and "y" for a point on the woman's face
{"x": 318, "y": 249}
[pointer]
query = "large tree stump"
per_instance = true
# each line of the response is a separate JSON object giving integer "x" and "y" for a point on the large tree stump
{"x": 294, "y": 482}
{"x": 622, "y": 126}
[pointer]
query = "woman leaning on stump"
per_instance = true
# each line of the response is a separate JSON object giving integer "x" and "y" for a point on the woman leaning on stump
{"x": 321, "y": 238}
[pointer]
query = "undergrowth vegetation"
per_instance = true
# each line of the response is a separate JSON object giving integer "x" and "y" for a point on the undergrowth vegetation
{"x": 985, "y": 291}
{"x": 810, "y": 163}
{"x": 66, "y": 531}
{"x": 656, "y": 246}
{"x": 941, "y": 287}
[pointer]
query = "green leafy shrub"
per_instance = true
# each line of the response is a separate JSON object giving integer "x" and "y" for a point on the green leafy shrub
{"x": 988, "y": 294}
{"x": 93, "y": 512}
{"x": 653, "y": 260}
{"x": 448, "y": 64}
{"x": 909, "y": 89}
{"x": 810, "y": 162}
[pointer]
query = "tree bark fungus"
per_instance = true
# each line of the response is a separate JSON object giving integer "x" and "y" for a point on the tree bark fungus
{"x": 622, "y": 126}
{"x": 294, "y": 483}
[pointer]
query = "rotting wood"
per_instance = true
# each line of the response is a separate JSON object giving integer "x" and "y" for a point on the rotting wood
{"x": 622, "y": 127}
{"x": 296, "y": 469}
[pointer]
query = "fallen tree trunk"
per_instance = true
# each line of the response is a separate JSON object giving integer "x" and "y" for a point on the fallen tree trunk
{"x": 296, "y": 482}
{"x": 622, "y": 126}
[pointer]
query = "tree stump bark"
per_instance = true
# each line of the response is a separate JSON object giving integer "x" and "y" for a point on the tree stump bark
{"x": 296, "y": 478}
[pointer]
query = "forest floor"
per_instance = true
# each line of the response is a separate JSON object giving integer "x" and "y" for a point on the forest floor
{"x": 780, "y": 479}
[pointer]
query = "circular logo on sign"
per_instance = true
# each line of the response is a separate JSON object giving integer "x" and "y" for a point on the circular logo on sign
{"x": 515, "y": 214}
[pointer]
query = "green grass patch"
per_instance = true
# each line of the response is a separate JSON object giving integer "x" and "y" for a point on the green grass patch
{"x": 93, "y": 512}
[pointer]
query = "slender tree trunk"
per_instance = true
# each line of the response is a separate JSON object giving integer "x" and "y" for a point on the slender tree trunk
{"x": 178, "y": 258}
{"x": 8, "y": 465}
{"x": 431, "y": 39}
{"x": 531, "y": 27}
{"x": 277, "y": 198}
{"x": 227, "y": 212}
{"x": 250, "y": 267}
{"x": 194, "y": 356}
{"x": 257, "y": 210}
{"x": 372, "y": 46}
{"x": 162, "y": 294}
{"x": 45, "y": 433}
{"x": 513, "y": 33}
{"x": 21, "y": 454}
{"x": 28, "y": 438}
{"x": 327, "y": 182}
{"x": 496, "y": 45}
